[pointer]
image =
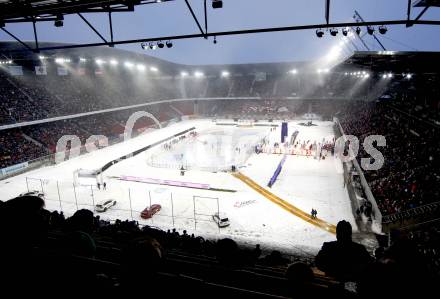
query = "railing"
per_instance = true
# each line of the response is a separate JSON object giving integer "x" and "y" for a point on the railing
{"x": 180, "y": 211}
{"x": 377, "y": 215}
{"x": 414, "y": 212}
{"x": 50, "y": 159}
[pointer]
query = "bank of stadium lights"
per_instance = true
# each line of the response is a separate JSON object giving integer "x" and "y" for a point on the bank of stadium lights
{"x": 154, "y": 69}
{"x": 387, "y": 75}
{"x": 62, "y": 60}
{"x": 359, "y": 74}
{"x": 159, "y": 44}
{"x": 128, "y": 64}
{"x": 114, "y": 62}
{"x": 358, "y": 30}
{"x": 293, "y": 72}
{"x": 198, "y": 74}
{"x": 322, "y": 71}
{"x": 82, "y": 59}
{"x": 225, "y": 74}
{"x": 345, "y": 31}
{"x": 183, "y": 74}
{"x": 141, "y": 67}
{"x": 100, "y": 61}
{"x": 6, "y": 61}
{"x": 407, "y": 76}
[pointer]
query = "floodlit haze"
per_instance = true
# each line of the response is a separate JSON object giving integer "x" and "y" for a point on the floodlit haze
{"x": 173, "y": 18}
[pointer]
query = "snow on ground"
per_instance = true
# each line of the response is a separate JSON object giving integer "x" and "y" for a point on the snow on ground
{"x": 304, "y": 182}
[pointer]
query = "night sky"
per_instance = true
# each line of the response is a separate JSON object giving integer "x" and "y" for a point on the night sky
{"x": 173, "y": 18}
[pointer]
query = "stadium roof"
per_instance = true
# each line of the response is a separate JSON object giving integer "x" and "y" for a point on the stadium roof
{"x": 427, "y": 3}
{"x": 34, "y": 11}
{"x": 44, "y": 10}
{"x": 382, "y": 61}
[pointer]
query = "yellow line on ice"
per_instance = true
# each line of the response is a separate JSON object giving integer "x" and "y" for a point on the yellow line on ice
{"x": 285, "y": 205}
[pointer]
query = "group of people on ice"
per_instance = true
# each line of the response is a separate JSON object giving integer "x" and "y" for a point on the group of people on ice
{"x": 319, "y": 150}
{"x": 104, "y": 186}
{"x": 314, "y": 214}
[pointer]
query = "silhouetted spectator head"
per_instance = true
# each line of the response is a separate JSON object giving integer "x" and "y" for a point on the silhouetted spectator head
{"x": 82, "y": 220}
{"x": 14, "y": 228}
{"x": 343, "y": 231}
{"x": 299, "y": 274}
{"x": 227, "y": 251}
{"x": 25, "y": 205}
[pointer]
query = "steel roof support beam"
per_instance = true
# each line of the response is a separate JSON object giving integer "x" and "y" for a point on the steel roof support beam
{"x": 37, "y": 48}
{"x": 411, "y": 22}
{"x": 206, "y": 17}
{"x": 111, "y": 27}
{"x": 93, "y": 28}
{"x": 18, "y": 40}
{"x": 243, "y": 32}
{"x": 327, "y": 11}
{"x": 374, "y": 35}
{"x": 195, "y": 19}
{"x": 422, "y": 13}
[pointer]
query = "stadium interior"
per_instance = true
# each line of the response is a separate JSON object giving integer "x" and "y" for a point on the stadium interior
{"x": 93, "y": 91}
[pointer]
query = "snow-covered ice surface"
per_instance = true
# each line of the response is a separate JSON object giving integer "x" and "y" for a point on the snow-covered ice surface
{"x": 304, "y": 182}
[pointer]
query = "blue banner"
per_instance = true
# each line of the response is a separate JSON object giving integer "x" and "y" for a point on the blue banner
{"x": 13, "y": 168}
{"x": 277, "y": 172}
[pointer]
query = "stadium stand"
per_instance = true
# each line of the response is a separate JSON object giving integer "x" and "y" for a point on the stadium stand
{"x": 121, "y": 256}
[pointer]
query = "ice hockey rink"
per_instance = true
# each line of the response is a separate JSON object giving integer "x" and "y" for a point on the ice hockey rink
{"x": 304, "y": 182}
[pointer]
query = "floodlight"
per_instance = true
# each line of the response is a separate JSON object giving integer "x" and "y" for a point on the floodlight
{"x": 383, "y": 29}
{"x": 319, "y": 33}
{"x": 217, "y": 4}
{"x": 225, "y": 74}
{"x": 59, "y": 21}
{"x": 198, "y": 74}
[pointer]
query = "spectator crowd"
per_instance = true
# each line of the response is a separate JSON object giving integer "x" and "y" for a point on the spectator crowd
{"x": 43, "y": 249}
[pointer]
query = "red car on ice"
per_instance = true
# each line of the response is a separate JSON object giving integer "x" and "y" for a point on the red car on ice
{"x": 148, "y": 212}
